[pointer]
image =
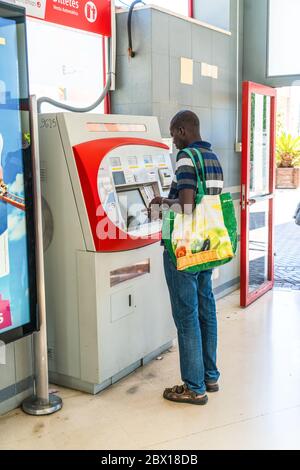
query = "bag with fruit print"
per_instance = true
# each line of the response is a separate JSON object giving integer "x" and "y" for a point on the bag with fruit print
{"x": 207, "y": 238}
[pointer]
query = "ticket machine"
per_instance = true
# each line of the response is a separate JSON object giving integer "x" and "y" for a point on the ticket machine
{"x": 107, "y": 301}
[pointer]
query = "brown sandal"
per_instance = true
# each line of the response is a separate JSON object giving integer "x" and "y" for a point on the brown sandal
{"x": 212, "y": 387}
{"x": 181, "y": 394}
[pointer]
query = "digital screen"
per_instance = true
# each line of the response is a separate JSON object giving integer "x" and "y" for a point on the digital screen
{"x": 17, "y": 262}
{"x": 133, "y": 209}
{"x": 115, "y": 161}
{"x": 161, "y": 159}
{"x": 119, "y": 177}
{"x": 148, "y": 160}
{"x": 132, "y": 161}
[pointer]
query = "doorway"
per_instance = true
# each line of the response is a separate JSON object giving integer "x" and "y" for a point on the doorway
{"x": 287, "y": 192}
{"x": 257, "y": 191}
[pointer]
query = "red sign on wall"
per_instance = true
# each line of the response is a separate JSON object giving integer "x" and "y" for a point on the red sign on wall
{"x": 88, "y": 15}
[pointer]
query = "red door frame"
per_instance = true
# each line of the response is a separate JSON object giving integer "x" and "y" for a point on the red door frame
{"x": 191, "y": 8}
{"x": 249, "y": 88}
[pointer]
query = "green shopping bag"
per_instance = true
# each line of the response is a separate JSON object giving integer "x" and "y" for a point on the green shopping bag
{"x": 207, "y": 238}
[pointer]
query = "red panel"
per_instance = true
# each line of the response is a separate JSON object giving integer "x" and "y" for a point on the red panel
{"x": 248, "y": 88}
{"x": 93, "y": 16}
{"x": 88, "y": 157}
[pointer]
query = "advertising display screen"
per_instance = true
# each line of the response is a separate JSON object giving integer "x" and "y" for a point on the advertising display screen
{"x": 17, "y": 246}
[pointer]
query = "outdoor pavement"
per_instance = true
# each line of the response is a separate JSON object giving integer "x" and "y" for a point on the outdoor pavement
{"x": 287, "y": 240}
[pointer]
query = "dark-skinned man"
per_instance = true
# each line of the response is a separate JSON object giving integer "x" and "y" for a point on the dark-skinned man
{"x": 191, "y": 295}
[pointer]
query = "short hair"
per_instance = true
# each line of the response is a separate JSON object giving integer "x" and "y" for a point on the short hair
{"x": 186, "y": 119}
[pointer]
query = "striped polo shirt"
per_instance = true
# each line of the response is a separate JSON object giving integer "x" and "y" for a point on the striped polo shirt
{"x": 185, "y": 174}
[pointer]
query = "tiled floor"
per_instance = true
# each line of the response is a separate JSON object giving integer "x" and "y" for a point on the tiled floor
{"x": 258, "y": 406}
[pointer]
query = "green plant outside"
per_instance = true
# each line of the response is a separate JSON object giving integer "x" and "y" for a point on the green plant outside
{"x": 287, "y": 151}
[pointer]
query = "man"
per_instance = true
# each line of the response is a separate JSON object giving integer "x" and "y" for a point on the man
{"x": 192, "y": 298}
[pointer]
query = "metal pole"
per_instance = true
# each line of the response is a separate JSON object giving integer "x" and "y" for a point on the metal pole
{"x": 41, "y": 403}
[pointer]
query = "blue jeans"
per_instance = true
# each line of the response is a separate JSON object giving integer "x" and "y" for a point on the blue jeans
{"x": 195, "y": 317}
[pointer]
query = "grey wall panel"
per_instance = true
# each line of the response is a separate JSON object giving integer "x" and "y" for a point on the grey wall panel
{"x": 16, "y": 375}
{"x": 231, "y": 163}
{"x": 15, "y": 401}
{"x": 202, "y": 39}
{"x": 141, "y": 109}
{"x": 122, "y": 108}
{"x": 160, "y": 33}
{"x": 23, "y": 358}
{"x": 202, "y": 89}
{"x": 133, "y": 80}
{"x": 221, "y": 135}
{"x": 205, "y": 116}
{"x": 223, "y": 93}
{"x": 123, "y": 93}
{"x": 224, "y": 155}
{"x": 180, "y": 37}
{"x": 222, "y": 50}
{"x": 122, "y": 40}
{"x": 8, "y": 370}
{"x": 142, "y": 43}
{"x": 160, "y": 68}
{"x": 164, "y": 111}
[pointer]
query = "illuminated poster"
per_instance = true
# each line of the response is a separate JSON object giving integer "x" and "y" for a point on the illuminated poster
{"x": 15, "y": 283}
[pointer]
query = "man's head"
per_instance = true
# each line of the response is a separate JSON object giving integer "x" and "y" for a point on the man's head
{"x": 185, "y": 129}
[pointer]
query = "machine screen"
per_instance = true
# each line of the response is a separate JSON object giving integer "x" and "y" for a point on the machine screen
{"x": 119, "y": 177}
{"x": 133, "y": 209}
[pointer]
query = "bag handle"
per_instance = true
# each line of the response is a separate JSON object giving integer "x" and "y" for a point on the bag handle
{"x": 201, "y": 183}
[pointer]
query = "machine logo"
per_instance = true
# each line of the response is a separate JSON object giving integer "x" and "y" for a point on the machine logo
{"x": 91, "y": 12}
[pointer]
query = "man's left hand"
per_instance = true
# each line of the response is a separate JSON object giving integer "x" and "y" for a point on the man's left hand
{"x": 154, "y": 209}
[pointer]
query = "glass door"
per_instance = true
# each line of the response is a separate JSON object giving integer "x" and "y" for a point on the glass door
{"x": 257, "y": 191}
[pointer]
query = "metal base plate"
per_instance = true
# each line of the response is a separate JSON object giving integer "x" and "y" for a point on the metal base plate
{"x": 36, "y": 407}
